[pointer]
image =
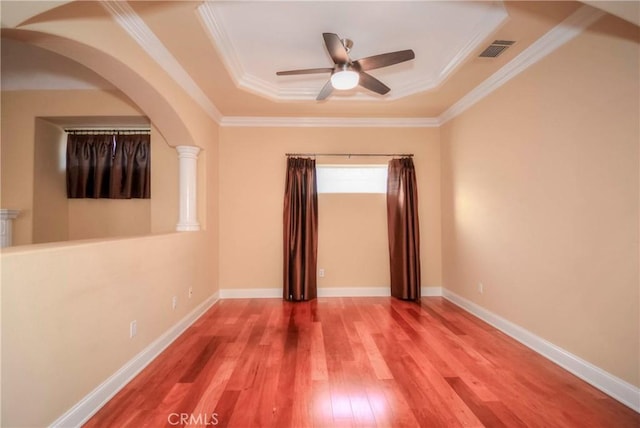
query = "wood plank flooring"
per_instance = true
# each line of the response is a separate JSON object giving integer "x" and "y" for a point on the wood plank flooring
{"x": 354, "y": 362}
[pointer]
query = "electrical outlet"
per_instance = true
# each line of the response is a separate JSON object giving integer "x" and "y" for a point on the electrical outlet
{"x": 321, "y": 273}
{"x": 133, "y": 329}
{"x": 174, "y": 302}
{"x": 190, "y": 292}
{"x": 480, "y": 288}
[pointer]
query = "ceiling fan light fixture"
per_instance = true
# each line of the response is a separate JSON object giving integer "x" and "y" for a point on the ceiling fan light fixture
{"x": 346, "y": 73}
{"x": 345, "y": 79}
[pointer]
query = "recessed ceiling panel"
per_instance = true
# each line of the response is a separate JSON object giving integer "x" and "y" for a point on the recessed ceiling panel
{"x": 257, "y": 39}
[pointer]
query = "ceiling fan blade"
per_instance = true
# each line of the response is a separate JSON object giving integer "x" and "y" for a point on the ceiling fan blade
{"x": 384, "y": 60}
{"x": 373, "y": 84}
{"x": 326, "y": 91}
{"x": 336, "y": 48}
{"x": 305, "y": 71}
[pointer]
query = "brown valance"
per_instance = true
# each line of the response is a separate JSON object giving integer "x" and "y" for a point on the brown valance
{"x": 109, "y": 166}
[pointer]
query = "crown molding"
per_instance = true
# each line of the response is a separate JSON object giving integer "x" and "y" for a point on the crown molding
{"x": 479, "y": 36}
{"x": 126, "y": 17}
{"x": 135, "y": 26}
{"x": 215, "y": 31}
{"x": 330, "y": 122}
{"x": 567, "y": 30}
{"x": 246, "y": 81}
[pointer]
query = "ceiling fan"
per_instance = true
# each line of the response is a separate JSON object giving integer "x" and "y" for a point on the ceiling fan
{"x": 346, "y": 73}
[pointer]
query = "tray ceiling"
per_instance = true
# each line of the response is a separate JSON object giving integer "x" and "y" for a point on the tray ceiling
{"x": 225, "y": 54}
{"x": 256, "y": 39}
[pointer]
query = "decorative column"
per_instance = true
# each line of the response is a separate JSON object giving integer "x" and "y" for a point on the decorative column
{"x": 6, "y": 226}
{"x": 188, "y": 157}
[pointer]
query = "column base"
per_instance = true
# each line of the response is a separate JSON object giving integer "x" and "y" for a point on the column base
{"x": 6, "y": 226}
{"x": 187, "y": 227}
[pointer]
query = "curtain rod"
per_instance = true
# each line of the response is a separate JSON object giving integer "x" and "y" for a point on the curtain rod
{"x": 352, "y": 154}
{"x": 107, "y": 130}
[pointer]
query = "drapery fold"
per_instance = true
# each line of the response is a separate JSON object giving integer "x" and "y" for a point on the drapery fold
{"x": 89, "y": 165}
{"x": 403, "y": 229}
{"x": 300, "y": 230}
{"x": 109, "y": 166}
{"x": 130, "y": 172}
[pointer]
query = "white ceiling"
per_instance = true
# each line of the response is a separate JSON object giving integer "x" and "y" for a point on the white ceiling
{"x": 256, "y": 39}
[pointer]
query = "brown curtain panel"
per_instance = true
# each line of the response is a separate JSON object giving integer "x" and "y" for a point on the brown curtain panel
{"x": 89, "y": 160}
{"x": 404, "y": 233}
{"x": 108, "y": 166}
{"x": 131, "y": 169}
{"x": 300, "y": 230}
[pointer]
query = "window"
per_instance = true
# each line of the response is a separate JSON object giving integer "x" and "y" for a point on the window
{"x": 351, "y": 178}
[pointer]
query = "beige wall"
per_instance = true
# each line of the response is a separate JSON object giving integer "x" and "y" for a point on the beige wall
{"x": 65, "y": 324}
{"x": 104, "y": 218}
{"x": 540, "y": 199}
{"x": 50, "y": 206}
{"x": 353, "y": 246}
{"x": 252, "y": 176}
{"x": 31, "y": 178}
{"x": 164, "y": 184}
{"x": 19, "y": 112}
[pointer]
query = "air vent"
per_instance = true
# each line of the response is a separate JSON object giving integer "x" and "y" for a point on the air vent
{"x": 496, "y": 48}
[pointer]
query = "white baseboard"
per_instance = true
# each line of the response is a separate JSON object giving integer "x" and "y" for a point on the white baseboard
{"x": 431, "y": 291}
{"x": 90, "y": 404}
{"x": 262, "y": 293}
{"x": 354, "y": 292}
{"x": 250, "y": 293}
{"x": 617, "y": 388}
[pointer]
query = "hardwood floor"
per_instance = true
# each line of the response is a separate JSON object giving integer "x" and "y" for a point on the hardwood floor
{"x": 343, "y": 362}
